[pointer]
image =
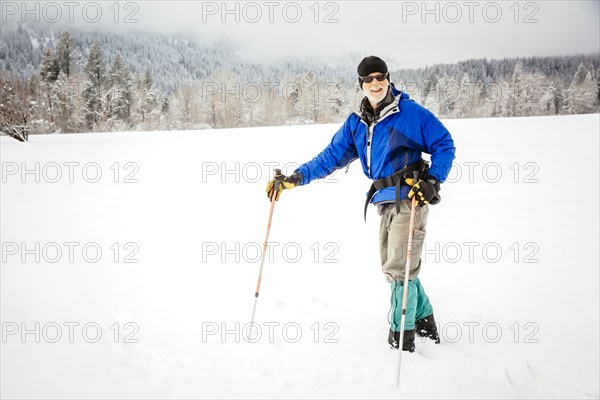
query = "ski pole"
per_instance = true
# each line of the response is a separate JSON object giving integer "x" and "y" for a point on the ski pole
{"x": 409, "y": 250}
{"x": 262, "y": 259}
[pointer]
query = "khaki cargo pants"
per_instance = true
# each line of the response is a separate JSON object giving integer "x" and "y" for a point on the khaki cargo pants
{"x": 393, "y": 239}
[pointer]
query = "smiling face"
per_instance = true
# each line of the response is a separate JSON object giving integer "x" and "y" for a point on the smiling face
{"x": 375, "y": 90}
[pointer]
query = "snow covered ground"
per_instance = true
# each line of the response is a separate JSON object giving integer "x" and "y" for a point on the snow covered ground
{"x": 129, "y": 264}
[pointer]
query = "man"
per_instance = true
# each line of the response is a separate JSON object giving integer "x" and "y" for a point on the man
{"x": 388, "y": 134}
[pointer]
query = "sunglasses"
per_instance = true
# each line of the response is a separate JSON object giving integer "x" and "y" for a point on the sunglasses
{"x": 369, "y": 78}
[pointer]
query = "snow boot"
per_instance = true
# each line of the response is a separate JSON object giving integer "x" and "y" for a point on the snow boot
{"x": 408, "y": 343}
{"x": 426, "y": 327}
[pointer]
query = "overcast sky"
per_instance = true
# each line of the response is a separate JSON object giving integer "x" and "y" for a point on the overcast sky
{"x": 411, "y": 33}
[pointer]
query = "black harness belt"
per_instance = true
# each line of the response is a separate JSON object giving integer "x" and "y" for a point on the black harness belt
{"x": 397, "y": 180}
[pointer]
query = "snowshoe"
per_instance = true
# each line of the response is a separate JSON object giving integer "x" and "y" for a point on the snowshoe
{"x": 426, "y": 327}
{"x": 408, "y": 343}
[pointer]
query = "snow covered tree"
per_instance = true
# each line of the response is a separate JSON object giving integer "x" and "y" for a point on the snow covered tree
{"x": 527, "y": 94}
{"x": 63, "y": 97}
{"x": 164, "y": 104}
{"x": 49, "y": 71}
{"x": 558, "y": 98}
{"x": 430, "y": 92}
{"x": 311, "y": 97}
{"x": 146, "y": 96}
{"x": 33, "y": 87}
{"x": 285, "y": 102}
{"x": 95, "y": 71}
{"x": 66, "y": 53}
{"x": 15, "y": 110}
{"x": 582, "y": 93}
{"x": 165, "y": 122}
{"x": 430, "y": 83}
{"x": 120, "y": 96}
{"x": 50, "y": 68}
{"x": 449, "y": 96}
{"x": 186, "y": 105}
{"x": 332, "y": 100}
{"x": 221, "y": 101}
{"x": 515, "y": 93}
{"x": 551, "y": 100}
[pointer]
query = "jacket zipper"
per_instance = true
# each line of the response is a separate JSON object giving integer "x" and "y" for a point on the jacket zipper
{"x": 371, "y": 130}
{"x": 369, "y": 147}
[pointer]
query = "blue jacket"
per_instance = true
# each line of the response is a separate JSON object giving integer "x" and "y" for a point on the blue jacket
{"x": 402, "y": 133}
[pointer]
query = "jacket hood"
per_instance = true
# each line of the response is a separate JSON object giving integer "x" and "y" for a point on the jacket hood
{"x": 396, "y": 92}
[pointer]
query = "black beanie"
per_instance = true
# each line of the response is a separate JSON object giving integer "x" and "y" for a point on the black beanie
{"x": 371, "y": 64}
